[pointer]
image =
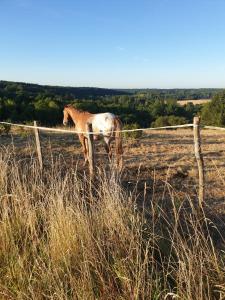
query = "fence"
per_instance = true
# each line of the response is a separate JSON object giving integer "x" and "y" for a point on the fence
{"x": 91, "y": 153}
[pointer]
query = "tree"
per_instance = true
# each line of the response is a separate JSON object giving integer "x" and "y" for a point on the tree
{"x": 213, "y": 113}
{"x": 168, "y": 121}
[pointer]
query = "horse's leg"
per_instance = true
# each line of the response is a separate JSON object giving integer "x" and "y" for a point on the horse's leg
{"x": 84, "y": 147}
{"x": 86, "y": 150}
{"x": 107, "y": 145}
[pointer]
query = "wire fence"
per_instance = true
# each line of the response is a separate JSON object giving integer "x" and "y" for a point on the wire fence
{"x": 95, "y": 133}
{"x": 169, "y": 151}
{"x": 154, "y": 144}
{"x": 71, "y": 131}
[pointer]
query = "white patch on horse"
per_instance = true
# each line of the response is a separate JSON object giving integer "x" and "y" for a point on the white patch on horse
{"x": 103, "y": 123}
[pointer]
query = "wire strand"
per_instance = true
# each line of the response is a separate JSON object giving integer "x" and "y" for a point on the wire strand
{"x": 94, "y": 133}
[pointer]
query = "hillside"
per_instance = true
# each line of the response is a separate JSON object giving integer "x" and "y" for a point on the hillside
{"x": 12, "y": 89}
{"x": 25, "y": 102}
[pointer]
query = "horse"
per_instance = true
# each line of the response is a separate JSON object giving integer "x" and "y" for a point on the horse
{"x": 106, "y": 125}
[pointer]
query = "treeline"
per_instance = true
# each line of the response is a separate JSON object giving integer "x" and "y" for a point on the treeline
{"x": 213, "y": 113}
{"x": 20, "y": 102}
{"x": 14, "y": 89}
{"x": 149, "y": 113}
{"x": 178, "y": 94}
{"x": 26, "y": 102}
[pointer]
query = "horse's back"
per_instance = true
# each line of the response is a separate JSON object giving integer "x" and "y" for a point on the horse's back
{"x": 103, "y": 122}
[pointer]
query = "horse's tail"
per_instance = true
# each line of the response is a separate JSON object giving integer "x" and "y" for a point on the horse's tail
{"x": 118, "y": 139}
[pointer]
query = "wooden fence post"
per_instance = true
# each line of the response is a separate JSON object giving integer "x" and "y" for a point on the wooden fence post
{"x": 91, "y": 156}
{"x": 199, "y": 158}
{"x": 38, "y": 145}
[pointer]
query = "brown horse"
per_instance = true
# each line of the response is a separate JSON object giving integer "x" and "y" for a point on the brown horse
{"x": 106, "y": 125}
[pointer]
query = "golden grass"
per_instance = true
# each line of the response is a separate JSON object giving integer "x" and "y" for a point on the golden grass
{"x": 165, "y": 154}
{"x": 195, "y": 102}
{"x": 62, "y": 238}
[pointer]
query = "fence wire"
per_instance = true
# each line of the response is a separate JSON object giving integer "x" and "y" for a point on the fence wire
{"x": 59, "y": 130}
{"x": 163, "y": 150}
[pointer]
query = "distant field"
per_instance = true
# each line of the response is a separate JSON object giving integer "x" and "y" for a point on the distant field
{"x": 195, "y": 102}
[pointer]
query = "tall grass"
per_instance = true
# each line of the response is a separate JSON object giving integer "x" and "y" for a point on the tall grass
{"x": 64, "y": 239}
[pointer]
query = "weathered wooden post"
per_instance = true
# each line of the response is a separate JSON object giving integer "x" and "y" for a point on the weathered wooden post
{"x": 91, "y": 156}
{"x": 38, "y": 145}
{"x": 199, "y": 158}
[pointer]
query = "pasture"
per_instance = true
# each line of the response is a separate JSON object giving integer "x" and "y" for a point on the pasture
{"x": 133, "y": 235}
{"x": 195, "y": 102}
{"x": 166, "y": 155}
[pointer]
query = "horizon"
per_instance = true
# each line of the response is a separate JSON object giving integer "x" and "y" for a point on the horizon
{"x": 124, "y": 45}
{"x": 113, "y": 88}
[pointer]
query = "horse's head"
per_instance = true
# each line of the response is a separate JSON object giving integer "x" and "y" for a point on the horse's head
{"x": 65, "y": 116}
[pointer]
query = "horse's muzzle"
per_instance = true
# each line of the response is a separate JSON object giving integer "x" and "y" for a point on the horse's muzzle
{"x": 64, "y": 123}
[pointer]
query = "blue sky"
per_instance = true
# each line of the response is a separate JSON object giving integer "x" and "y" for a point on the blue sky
{"x": 114, "y": 44}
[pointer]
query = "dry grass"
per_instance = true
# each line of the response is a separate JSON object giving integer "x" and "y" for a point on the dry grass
{"x": 163, "y": 155}
{"x": 62, "y": 238}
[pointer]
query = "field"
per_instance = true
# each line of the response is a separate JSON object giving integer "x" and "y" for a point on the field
{"x": 133, "y": 235}
{"x": 162, "y": 155}
{"x": 195, "y": 102}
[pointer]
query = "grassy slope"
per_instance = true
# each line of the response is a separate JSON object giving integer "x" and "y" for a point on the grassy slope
{"x": 61, "y": 239}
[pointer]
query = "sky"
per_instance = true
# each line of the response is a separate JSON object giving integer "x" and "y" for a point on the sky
{"x": 114, "y": 43}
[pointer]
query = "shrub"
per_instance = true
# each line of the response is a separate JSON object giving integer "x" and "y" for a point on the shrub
{"x": 169, "y": 121}
{"x": 213, "y": 113}
{"x": 132, "y": 134}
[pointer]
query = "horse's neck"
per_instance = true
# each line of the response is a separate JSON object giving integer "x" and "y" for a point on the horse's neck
{"x": 77, "y": 115}
{"x": 74, "y": 115}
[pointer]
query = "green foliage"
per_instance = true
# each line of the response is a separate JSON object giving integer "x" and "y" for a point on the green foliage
{"x": 169, "y": 121}
{"x": 177, "y": 94}
{"x": 213, "y": 113}
{"x": 22, "y": 102}
{"x": 192, "y": 110}
{"x": 132, "y": 134}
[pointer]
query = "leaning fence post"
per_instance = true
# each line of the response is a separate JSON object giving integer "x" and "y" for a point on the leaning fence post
{"x": 91, "y": 156}
{"x": 199, "y": 158}
{"x": 38, "y": 145}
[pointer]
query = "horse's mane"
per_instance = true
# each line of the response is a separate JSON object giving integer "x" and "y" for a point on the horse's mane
{"x": 76, "y": 109}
